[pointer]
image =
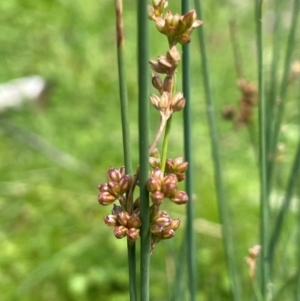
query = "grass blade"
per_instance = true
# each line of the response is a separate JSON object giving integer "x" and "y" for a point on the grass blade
{"x": 222, "y": 203}
{"x": 131, "y": 249}
{"x": 293, "y": 179}
{"x": 143, "y": 48}
{"x": 190, "y": 236}
{"x": 264, "y": 206}
{"x": 284, "y": 83}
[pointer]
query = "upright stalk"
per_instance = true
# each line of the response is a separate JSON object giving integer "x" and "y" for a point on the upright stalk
{"x": 285, "y": 204}
{"x": 284, "y": 84}
{"x": 222, "y": 203}
{"x": 264, "y": 206}
{"x": 272, "y": 93}
{"x": 143, "y": 112}
{"x": 125, "y": 135}
{"x": 190, "y": 236}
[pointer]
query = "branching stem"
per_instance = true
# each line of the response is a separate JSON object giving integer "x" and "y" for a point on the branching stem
{"x": 163, "y": 122}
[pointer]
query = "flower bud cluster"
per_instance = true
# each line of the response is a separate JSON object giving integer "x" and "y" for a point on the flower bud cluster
{"x": 166, "y": 64}
{"x": 154, "y": 158}
{"x": 118, "y": 184}
{"x": 163, "y": 186}
{"x": 167, "y": 104}
{"x": 162, "y": 226}
{"x": 124, "y": 224}
{"x": 243, "y": 115}
{"x": 177, "y": 166}
{"x": 177, "y": 28}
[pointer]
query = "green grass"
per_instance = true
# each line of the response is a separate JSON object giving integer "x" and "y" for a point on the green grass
{"x": 53, "y": 242}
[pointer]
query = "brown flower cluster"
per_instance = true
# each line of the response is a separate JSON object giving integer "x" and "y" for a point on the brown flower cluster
{"x": 177, "y": 28}
{"x": 163, "y": 185}
{"x": 247, "y": 103}
{"x": 251, "y": 260}
{"x": 166, "y": 103}
{"x": 124, "y": 224}
{"x": 166, "y": 173}
{"x": 162, "y": 226}
{"x": 118, "y": 184}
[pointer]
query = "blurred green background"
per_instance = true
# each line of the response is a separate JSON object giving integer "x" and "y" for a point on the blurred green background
{"x": 53, "y": 242}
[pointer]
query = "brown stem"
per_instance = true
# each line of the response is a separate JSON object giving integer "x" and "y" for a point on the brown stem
{"x": 163, "y": 122}
{"x": 129, "y": 201}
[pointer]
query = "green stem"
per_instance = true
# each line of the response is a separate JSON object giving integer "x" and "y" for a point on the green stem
{"x": 143, "y": 113}
{"x": 285, "y": 204}
{"x": 222, "y": 202}
{"x": 256, "y": 290}
{"x": 284, "y": 84}
{"x": 264, "y": 206}
{"x": 190, "y": 235}
{"x": 165, "y": 144}
{"x": 272, "y": 97}
{"x": 126, "y": 137}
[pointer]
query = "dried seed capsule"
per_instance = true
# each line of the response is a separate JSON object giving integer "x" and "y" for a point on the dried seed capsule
{"x": 170, "y": 178}
{"x": 125, "y": 183}
{"x": 113, "y": 175}
{"x": 155, "y": 66}
{"x": 153, "y": 185}
{"x": 189, "y": 18}
{"x": 173, "y": 56}
{"x": 106, "y": 198}
{"x": 178, "y": 102}
{"x": 180, "y": 197}
{"x": 180, "y": 166}
{"x": 134, "y": 221}
{"x": 123, "y": 217}
{"x": 120, "y": 231}
{"x": 103, "y": 187}
{"x": 168, "y": 233}
{"x": 156, "y": 229}
{"x": 164, "y": 102}
{"x": 174, "y": 224}
{"x": 155, "y": 100}
{"x": 157, "y": 82}
{"x": 110, "y": 220}
{"x": 154, "y": 162}
{"x": 163, "y": 222}
{"x": 133, "y": 234}
{"x": 114, "y": 189}
{"x": 169, "y": 189}
{"x": 180, "y": 176}
{"x": 157, "y": 174}
{"x": 157, "y": 197}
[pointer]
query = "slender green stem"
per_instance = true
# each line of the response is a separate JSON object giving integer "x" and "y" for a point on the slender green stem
{"x": 298, "y": 243}
{"x": 177, "y": 290}
{"x": 256, "y": 290}
{"x": 264, "y": 206}
{"x": 222, "y": 202}
{"x": 298, "y": 220}
{"x": 271, "y": 103}
{"x": 126, "y": 136}
{"x": 190, "y": 235}
{"x": 285, "y": 204}
{"x": 143, "y": 56}
{"x": 165, "y": 144}
{"x": 284, "y": 83}
{"x": 236, "y": 49}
